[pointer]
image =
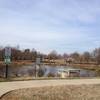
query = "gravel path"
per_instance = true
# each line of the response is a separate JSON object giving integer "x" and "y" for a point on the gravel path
{"x": 8, "y": 86}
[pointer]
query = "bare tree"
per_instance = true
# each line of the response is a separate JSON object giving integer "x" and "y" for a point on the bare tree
{"x": 86, "y": 57}
{"x": 76, "y": 57}
{"x": 96, "y": 54}
{"x": 53, "y": 55}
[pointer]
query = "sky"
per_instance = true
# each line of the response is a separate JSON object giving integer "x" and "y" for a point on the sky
{"x": 46, "y": 25}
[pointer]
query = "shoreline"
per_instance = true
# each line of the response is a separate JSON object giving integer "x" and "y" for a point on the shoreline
{"x": 93, "y": 67}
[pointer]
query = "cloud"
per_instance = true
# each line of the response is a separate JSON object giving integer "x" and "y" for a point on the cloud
{"x": 65, "y": 25}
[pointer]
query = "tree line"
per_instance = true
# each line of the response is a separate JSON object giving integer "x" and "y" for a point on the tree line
{"x": 27, "y": 54}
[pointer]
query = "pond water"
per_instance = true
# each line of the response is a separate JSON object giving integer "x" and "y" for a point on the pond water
{"x": 83, "y": 73}
{"x": 30, "y": 71}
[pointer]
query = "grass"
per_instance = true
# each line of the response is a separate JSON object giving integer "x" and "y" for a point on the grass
{"x": 16, "y": 79}
{"x": 17, "y": 63}
{"x": 42, "y": 78}
{"x": 81, "y": 92}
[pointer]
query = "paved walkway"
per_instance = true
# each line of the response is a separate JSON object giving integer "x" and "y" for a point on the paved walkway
{"x": 8, "y": 86}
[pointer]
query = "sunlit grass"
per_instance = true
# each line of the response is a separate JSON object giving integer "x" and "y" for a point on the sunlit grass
{"x": 82, "y": 92}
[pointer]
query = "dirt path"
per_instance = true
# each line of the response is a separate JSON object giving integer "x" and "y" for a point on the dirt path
{"x": 8, "y": 86}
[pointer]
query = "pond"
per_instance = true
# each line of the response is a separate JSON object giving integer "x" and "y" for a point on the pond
{"x": 30, "y": 71}
{"x": 83, "y": 73}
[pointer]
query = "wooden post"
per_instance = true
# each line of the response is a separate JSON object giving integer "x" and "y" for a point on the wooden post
{"x": 6, "y": 75}
{"x": 35, "y": 71}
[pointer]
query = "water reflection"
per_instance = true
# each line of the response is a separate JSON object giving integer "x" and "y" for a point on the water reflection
{"x": 83, "y": 73}
{"x": 30, "y": 71}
